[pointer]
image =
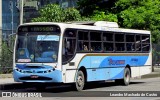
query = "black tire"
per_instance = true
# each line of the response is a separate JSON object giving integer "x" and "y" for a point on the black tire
{"x": 126, "y": 78}
{"x": 80, "y": 81}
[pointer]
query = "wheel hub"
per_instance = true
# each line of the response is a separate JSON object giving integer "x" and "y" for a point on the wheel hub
{"x": 127, "y": 77}
{"x": 80, "y": 81}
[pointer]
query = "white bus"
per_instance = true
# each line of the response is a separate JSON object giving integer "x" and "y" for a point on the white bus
{"x": 48, "y": 52}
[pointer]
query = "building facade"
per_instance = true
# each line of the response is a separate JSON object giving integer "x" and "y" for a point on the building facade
{"x": 10, "y": 18}
{"x": 10, "y": 13}
{"x": 31, "y": 7}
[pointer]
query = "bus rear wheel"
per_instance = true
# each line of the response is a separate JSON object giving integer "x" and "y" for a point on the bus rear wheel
{"x": 80, "y": 81}
{"x": 126, "y": 78}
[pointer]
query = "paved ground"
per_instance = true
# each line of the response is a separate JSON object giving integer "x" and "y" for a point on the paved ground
{"x": 147, "y": 84}
{"x": 93, "y": 90}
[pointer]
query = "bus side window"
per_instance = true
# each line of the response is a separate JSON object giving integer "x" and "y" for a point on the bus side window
{"x": 129, "y": 46}
{"x": 119, "y": 42}
{"x": 69, "y": 45}
{"x": 83, "y": 41}
{"x": 96, "y": 41}
{"x": 80, "y": 45}
{"x": 130, "y": 42}
{"x": 138, "y": 43}
{"x": 145, "y": 43}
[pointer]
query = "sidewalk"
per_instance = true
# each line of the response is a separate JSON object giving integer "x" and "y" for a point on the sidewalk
{"x": 156, "y": 73}
{"x": 8, "y": 78}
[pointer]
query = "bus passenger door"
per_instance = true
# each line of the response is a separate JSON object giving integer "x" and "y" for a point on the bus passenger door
{"x": 68, "y": 55}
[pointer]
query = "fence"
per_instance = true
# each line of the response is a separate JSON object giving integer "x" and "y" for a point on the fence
{"x": 156, "y": 54}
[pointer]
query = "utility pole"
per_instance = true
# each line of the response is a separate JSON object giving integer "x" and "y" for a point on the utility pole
{"x": 0, "y": 29}
{"x": 21, "y": 12}
{"x": 11, "y": 8}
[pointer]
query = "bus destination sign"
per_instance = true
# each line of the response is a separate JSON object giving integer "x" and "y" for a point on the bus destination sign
{"x": 39, "y": 28}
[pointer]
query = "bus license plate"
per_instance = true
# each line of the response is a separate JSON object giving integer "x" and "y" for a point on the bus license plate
{"x": 34, "y": 76}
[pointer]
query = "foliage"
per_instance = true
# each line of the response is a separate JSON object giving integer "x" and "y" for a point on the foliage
{"x": 71, "y": 14}
{"x": 97, "y": 10}
{"x": 6, "y": 58}
{"x": 54, "y": 13}
{"x": 140, "y": 14}
{"x": 88, "y": 7}
{"x": 99, "y": 16}
{"x": 136, "y": 14}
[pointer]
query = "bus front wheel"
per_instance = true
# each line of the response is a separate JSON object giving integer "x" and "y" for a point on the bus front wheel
{"x": 80, "y": 81}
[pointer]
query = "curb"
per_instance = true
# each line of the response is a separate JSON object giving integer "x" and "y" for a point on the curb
{"x": 6, "y": 76}
{"x": 151, "y": 75}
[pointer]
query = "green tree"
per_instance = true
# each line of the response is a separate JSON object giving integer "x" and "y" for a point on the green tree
{"x": 88, "y": 7}
{"x": 6, "y": 59}
{"x": 101, "y": 15}
{"x": 54, "y": 13}
{"x": 97, "y": 10}
{"x": 71, "y": 14}
{"x": 140, "y": 14}
{"x": 136, "y": 14}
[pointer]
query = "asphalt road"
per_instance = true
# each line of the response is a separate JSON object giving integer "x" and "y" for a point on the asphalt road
{"x": 93, "y": 90}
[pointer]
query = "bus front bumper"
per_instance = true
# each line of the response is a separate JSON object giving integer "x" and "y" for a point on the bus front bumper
{"x": 54, "y": 76}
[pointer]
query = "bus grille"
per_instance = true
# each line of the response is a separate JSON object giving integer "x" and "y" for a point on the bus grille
{"x": 39, "y": 78}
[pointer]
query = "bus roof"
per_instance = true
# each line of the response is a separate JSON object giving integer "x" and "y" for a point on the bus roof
{"x": 89, "y": 27}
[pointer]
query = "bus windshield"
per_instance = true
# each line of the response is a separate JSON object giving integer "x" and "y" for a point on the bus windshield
{"x": 37, "y": 45}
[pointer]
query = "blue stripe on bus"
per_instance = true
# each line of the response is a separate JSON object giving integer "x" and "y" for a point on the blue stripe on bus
{"x": 109, "y": 67}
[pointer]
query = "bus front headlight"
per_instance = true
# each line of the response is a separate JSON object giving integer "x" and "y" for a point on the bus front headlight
{"x": 19, "y": 70}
